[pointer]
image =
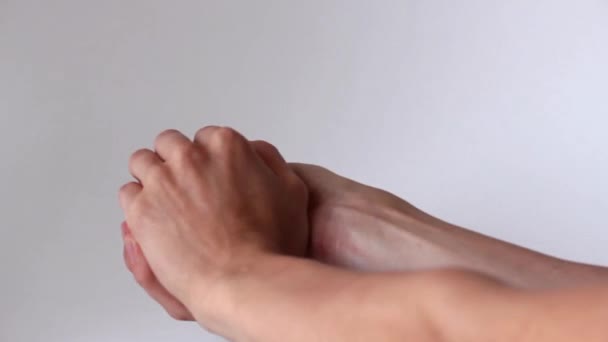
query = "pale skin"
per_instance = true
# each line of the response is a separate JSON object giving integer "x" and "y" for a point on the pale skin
{"x": 223, "y": 231}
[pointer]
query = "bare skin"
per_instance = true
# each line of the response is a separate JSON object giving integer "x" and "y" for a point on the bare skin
{"x": 196, "y": 202}
{"x": 364, "y": 228}
{"x": 178, "y": 205}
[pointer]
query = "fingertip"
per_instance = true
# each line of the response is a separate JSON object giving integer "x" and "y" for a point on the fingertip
{"x": 132, "y": 252}
{"x": 126, "y": 258}
{"x": 124, "y": 229}
{"x": 271, "y": 156}
{"x": 127, "y": 193}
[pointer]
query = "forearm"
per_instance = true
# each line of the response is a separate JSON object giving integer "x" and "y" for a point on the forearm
{"x": 398, "y": 237}
{"x": 288, "y": 299}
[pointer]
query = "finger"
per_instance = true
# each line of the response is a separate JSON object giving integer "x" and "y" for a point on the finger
{"x": 170, "y": 143}
{"x": 271, "y": 156}
{"x": 320, "y": 181}
{"x": 141, "y": 162}
{"x": 128, "y": 193}
{"x": 128, "y": 255}
{"x": 139, "y": 267}
{"x": 223, "y": 141}
{"x": 146, "y": 279}
{"x": 203, "y": 133}
{"x": 124, "y": 229}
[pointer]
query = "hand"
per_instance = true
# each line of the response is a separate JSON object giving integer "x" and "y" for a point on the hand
{"x": 138, "y": 266}
{"x": 351, "y": 222}
{"x": 206, "y": 208}
{"x": 339, "y": 209}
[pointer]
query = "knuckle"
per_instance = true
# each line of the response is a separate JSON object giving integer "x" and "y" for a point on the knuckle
{"x": 137, "y": 155}
{"x": 225, "y": 138}
{"x": 201, "y": 133}
{"x": 179, "y": 315}
{"x": 301, "y": 189}
{"x": 296, "y": 185}
{"x": 127, "y": 193}
{"x": 167, "y": 132}
{"x": 268, "y": 147}
{"x": 124, "y": 189}
{"x": 226, "y": 134}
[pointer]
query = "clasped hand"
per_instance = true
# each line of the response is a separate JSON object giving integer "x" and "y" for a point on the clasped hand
{"x": 202, "y": 209}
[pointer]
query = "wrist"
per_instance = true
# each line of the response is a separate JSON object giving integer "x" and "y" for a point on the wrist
{"x": 383, "y": 233}
{"x": 468, "y": 306}
{"x": 215, "y": 301}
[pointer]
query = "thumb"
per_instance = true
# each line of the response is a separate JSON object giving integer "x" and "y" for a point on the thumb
{"x": 321, "y": 182}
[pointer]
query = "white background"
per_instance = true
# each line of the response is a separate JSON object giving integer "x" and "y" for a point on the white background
{"x": 489, "y": 114}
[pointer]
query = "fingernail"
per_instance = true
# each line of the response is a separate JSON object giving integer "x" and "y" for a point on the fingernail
{"x": 131, "y": 251}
